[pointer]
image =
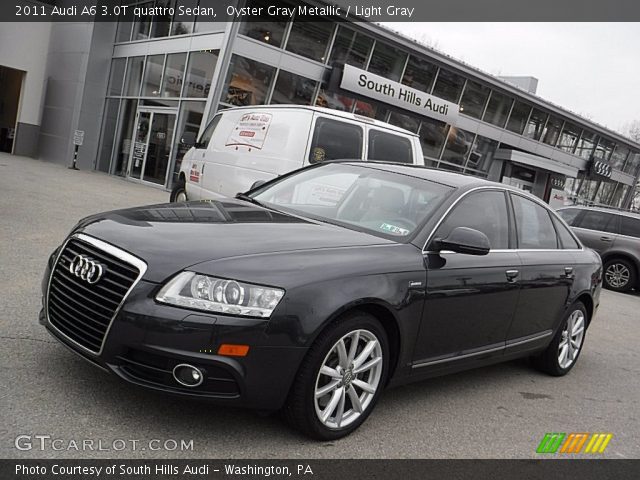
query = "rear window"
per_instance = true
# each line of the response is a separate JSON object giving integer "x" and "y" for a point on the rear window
{"x": 569, "y": 215}
{"x": 334, "y": 140}
{"x": 630, "y": 226}
{"x": 566, "y": 239}
{"x": 600, "y": 221}
{"x": 389, "y": 147}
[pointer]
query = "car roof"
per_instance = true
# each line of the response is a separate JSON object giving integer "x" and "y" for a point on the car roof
{"x": 611, "y": 210}
{"x": 327, "y": 111}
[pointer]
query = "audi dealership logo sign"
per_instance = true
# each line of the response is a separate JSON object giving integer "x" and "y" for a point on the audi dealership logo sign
{"x": 601, "y": 168}
{"x": 86, "y": 269}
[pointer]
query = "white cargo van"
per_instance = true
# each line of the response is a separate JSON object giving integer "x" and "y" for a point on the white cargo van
{"x": 241, "y": 146}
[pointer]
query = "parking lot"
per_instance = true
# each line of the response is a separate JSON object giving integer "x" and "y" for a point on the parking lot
{"x": 497, "y": 412}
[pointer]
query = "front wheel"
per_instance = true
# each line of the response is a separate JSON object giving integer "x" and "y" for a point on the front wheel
{"x": 179, "y": 192}
{"x": 563, "y": 351}
{"x": 340, "y": 379}
{"x": 619, "y": 275}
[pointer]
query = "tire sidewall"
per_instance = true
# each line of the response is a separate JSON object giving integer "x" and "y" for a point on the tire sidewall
{"x": 358, "y": 321}
{"x": 177, "y": 189}
{"x": 632, "y": 278}
{"x": 555, "y": 344}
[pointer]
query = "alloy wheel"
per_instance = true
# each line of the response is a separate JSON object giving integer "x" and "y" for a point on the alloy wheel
{"x": 572, "y": 337}
{"x": 348, "y": 379}
{"x": 617, "y": 275}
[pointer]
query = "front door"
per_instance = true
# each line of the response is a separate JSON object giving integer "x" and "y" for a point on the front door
{"x": 150, "y": 156}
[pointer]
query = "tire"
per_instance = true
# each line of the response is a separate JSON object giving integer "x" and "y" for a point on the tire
{"x": 619, "y": 275}
{"x": 342, "y": 386}
{"x": 179, "y": 192}
{"x": 552, "y": 360}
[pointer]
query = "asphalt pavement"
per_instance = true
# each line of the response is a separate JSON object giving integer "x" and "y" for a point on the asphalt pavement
{"x": 48, "y": 393}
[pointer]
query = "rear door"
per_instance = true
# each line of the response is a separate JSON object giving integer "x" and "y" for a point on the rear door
{"x": 597, "y": 230}
{"x": 389, "y": 146}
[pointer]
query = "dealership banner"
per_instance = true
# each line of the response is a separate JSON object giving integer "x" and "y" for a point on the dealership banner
{"x": 334, "y": 10}
{"x": 200, "y": 469}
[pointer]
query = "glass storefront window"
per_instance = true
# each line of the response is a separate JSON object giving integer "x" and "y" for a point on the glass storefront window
{"x": 199, "y": 73}
{"x": 535, "y": 125}
{"x": 335, "y": 101}
{"x": 387, "y": 61}
{"x": 588, "y": 190}
{"x": 248, "y": 82}
{"x": 498, "y": 109}
{"x": 419, "y": 74}
{"x": 604, "y": 192}
{"x": 371, "y": 110}
{"x": 161, "y": 25}
{"x": 189, "y": 121}
{"x": 310, "y": 39}
{"x": 518, "y": 118}
{"x": 142, "y": 25}
{"x": 350, "y": 47}
{"x": 482, "y": 153}
{"x": 173, "y": 77}
{"x": 448, "y": 86}
{"x": 552, "y": 131}
{"x": 183, "y": 24}
{"x": 586, "y": 144}
{"x": 265, "y": 28}
{"x": 619, "y": 195}
{"x": 604, "y": 149}
{"x": 292, "y": 88}
{"x": 474, "y": 99}
{"x": 433, "y": 134}
{"x": 152, "y": 76}
{"x": 135, "y": 66}
{"x": 631, "y": 167}
{"x": 569, "y": 137}
{"x": 109, "y": 124}
{"x": 619, "y": 157}
{"x": 123, "y": 147}
{"x": 125, "y": 23}
{"x": 458, "y": 146}
{"x": 116, "y": 76}
{"x": 408, "y": 122}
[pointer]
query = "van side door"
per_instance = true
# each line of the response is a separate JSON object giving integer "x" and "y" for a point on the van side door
{"x": 334, "y": 138}
{"x": 389, "y": 146}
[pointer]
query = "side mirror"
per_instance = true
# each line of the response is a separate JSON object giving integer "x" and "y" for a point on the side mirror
{"x": 464, "y": 240}
{"x": 257, "y": 183}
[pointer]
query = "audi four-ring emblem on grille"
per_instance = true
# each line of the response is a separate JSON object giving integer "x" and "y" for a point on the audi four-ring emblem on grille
{"x": 86, "y": 269}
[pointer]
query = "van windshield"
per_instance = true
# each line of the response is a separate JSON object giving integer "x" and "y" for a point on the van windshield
{"x": 368, "y": 199}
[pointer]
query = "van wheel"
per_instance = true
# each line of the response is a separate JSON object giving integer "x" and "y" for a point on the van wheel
{"x": 340, "y": 379}
{"x": 179, "y": 192}
{"x": 619, "y": 275}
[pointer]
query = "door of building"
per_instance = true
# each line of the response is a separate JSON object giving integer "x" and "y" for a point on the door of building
{"x": 152, "y": 145}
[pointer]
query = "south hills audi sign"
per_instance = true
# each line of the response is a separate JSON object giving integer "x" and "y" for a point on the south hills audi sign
{"x": 379, "y": 88}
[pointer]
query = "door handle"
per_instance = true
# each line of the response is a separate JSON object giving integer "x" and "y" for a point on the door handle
{"x": 568, "y": 271}
{"x": 606, "y": 239}
{"x": 202, "y": 170}
{"x": 512, "y": 275}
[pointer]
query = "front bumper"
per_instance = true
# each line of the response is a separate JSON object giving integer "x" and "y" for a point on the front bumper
{"x": 147, "y": 340}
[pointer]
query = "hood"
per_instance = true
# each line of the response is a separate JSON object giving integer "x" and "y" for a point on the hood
{"x": 172, "y": 237}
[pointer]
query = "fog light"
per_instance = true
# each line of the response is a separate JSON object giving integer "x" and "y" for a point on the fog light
{"x": 188, "y": 375}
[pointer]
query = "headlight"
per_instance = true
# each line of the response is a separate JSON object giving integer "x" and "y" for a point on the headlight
{"x": 211, "y": 294}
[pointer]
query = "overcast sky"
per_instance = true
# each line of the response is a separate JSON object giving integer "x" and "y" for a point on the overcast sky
{"x": 592, "y": 69}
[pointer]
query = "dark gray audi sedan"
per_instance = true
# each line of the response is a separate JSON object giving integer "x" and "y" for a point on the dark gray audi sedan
{"x": 312, "y": 293}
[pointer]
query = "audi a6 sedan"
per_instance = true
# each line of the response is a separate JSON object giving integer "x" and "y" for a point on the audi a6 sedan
{"x": 312, "y": 293}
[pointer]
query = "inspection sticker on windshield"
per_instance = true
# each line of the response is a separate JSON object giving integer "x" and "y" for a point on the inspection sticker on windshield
{"x": 393, "y": 229}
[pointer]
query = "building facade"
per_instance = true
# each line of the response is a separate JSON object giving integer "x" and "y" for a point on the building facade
{"x": 142, "y": 89}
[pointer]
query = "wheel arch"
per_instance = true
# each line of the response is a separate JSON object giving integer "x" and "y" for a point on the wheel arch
{"x": 621, "y": 255}
{"x": 586, "y": 299}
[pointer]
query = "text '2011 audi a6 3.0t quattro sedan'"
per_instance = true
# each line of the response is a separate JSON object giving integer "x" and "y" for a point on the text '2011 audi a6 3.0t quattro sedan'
{"x": 313, "y": 292}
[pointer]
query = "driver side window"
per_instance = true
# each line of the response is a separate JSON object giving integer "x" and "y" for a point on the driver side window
{"x": 208, "y": 132}
{"x": 483, "y": 211}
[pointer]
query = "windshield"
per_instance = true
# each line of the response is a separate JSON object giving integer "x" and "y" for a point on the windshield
{"x": 380, "y": 202}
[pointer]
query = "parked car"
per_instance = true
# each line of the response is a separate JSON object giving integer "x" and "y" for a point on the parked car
{"x": 615, "y": 235}
{"x": 242, "y": 146}
{"x": 315, "y": 291}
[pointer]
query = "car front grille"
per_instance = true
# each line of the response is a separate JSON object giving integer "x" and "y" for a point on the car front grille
{"x": 83, "y": 311}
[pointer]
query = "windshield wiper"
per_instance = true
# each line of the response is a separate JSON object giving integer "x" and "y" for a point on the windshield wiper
{"x": 247, "y": 198}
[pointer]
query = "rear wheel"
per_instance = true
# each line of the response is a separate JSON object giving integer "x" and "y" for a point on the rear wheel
{"x": 563, "y": 351}
{"x": 619, "y": 275}
{"x": 179, "y": 192}
{"x": 340, "y": 379}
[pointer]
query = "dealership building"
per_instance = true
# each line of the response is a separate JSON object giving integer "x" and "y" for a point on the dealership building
{"x": 134, "y": 95}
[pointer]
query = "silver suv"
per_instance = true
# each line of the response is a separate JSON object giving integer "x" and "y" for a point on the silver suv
{"x": 615, "y": 236}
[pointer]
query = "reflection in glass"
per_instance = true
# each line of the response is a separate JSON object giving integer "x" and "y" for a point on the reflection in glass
{"x": 123, "y": 148}
{"x": 633, "y": 163}
{"x": 433, "y": 134}
{"x": 152, "y": 76}
{"x": 292, "y": 88}
{"x": 498, "y": 109}
{"x": 535, "y": 125}
{"x": 247, "y": 82}
{"x": 586, "y": 144}
{"x": 408, "y": 122}
{"x": 116, "y": 76}
{"x": 107, "y": 137}
{"x": 569, "y": 137}
{"x": 448, "y": 86}
{"x": 266, "y": 28}
{"x": 159, "y": 148}
{"x": 188, "y": 127}
{"x": 350, "y": 47}
{"x": 518, "y": 118}
{"x": 552, "y": 131}
{"x": 135, "y": 67}
{"x": 419, "y": 74}
{"x": 142, "y": 25}
{"x": 482, "y": 153}
{"x": 371, "y": 110}
{"x": 310, "y": 39}
{"x": 125, "y": 22}
{"x": 474, "y": 99}
{"x": 458, "y": 146}
{"x": 387, "y": 61}
{"x": 162, "y": 23}
{"x": 604, "y": 149}
{"x": 619, "y": 156}
{"x": 183, "y": 24}
{"x": 173, "y": 77}
{"x": 199, "y": 73}
{"x": 335, "y": 101}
